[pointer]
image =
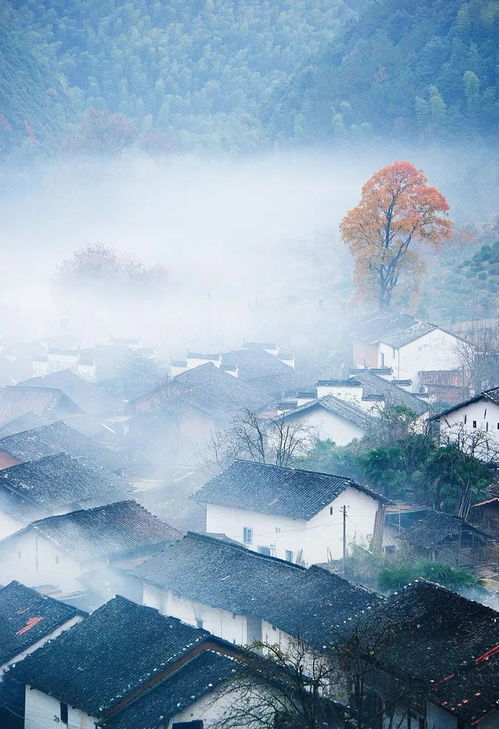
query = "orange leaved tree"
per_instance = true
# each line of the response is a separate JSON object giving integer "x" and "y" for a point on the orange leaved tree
{"x": 397, "y": 208}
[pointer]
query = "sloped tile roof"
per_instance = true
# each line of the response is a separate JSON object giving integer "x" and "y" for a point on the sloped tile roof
{"x": 449, "y": 643}
{"x": 375, "y": 385}
{"x": 429, "y": 528}
{"x": 392, "y": 328}
{"x": 48, "y": 402}
{"x": 106, "y": 657}
{"x": 341, "y": 408}
{"x": 199, "y": 677}
{"x": 288, "y": 492}
{"x": 58, "y": 437}
{"x": 263, "y": 371}
{"x": 229, "y": 576}
{"x": 104, "y": 531}
{"x": 60, "y": 480}
{"x": 90, "y": 398}
{"x": 26, "y": 617}
{"x": 27, "y": 421}
{"x": 492, "y": 395}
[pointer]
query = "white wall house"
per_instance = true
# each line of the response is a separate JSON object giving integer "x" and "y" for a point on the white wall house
{"x": 331, "y": 418}
{"x": 405, "y": 345}
{"x": 473, "y": 424}
{"x": 289, "y": 513}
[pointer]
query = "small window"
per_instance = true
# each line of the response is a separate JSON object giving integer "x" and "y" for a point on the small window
{"x": 485, "y": 413}
{"x": 330, "y": 509}
{"x": 234, "y": 616}
{"x": 278, "y": 529}
{"x": 289, "y": 555}
{"x": 474, "y": 423}
{"x": 247, "y": 535}
{"x": 199, "y": 623}
{"x": 263, "y": 549}
{"x": 465, "y": 419}
{"x": 487, "y": 426}
{"x": 63, "y": 711}
{"x": 274, "y": 628}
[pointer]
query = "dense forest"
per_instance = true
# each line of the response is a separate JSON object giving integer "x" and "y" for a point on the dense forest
{"x": 235, "y": 74}
{"x": 402, "y": 69}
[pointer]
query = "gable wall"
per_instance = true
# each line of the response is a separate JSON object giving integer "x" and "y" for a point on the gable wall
{"x": 482, "y": 412}
{"x": 44, "y": 711}
{"x": 34, "y": 560}
{"x": 437, "y": 350}
{"x": 317, "y": 540}
{"x": 326, "y": 425}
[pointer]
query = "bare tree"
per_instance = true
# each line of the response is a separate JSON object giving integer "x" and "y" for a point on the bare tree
{"x": 479, "y": 358}
{"x": 283, "y": 688}
{"x": 252, "y": 437}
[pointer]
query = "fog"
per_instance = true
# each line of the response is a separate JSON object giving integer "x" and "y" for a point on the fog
{"x": 251, "y": 243}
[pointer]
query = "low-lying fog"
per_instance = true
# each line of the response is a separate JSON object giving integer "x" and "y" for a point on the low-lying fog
{"x": 251, "y": 244}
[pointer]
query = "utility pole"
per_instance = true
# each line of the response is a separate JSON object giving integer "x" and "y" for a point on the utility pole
{"x": 344, "y": 510}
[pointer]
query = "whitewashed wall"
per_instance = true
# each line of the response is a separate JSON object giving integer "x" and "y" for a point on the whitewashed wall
{"x": 33, "y": 560}
{"x": 460, "y": 423}
{"x": 327, "y": 425}
{"x": 437, "y": 350}
{"x": 318, "y": 540}
{"x": 43, "y": 712}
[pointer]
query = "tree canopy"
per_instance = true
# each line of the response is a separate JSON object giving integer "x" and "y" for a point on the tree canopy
{"x": 397, "y": 209}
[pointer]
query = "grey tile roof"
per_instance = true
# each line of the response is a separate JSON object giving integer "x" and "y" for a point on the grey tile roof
{"x": 108, "y": 656}
{"x": 264, "y": 371}
{"x": 27, "y": 617}
{"x": 375, "y": 385}
{"x": 446, "y": 642}
{"x": 212, "y": 390}
{"x": 90, "y": 398}
{"x": 59, "y": 480}
{"x": 288, "y": 492}
{"x": 429, "y": 528}
{"x": 341, "y": 408}
{"x": 199, "y": 677}
{"x": 492, "y": 395}
{"x": 392, "y": 328}
{"x": 109, "y": 531}
{"x": 27, "y": 421}
{"x": 48, "y": 402}
{"x": 229, "y": 576}
{"x": 58, "y": 437}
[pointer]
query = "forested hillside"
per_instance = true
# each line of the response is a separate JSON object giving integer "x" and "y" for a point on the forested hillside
{"x": 199, "y": 72}
{"x": 406, "y": 69}
{"x": 240, "y": 74}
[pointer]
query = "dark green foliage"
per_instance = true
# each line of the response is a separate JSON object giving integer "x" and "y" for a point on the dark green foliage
{"x": 395, "y": 577}
{"x": 403, "y": 69}
{"x": 197, "y": 71}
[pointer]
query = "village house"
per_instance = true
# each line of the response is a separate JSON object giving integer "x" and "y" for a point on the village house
{"x": 28, "y": 620}
{"x": 438, "y": 537}
{"x": 330, "y": 418}
{"x": 57, "y": 550}
{"x": 52, "y": 439}
{"x": 187, "y": 410}
{"x": 48, "y": 403}
{"x": 53, "y": 485}
{"x": 485, "y": 515}
{"x": 472, "y": 424}
{"x": 436, "y": 659}
{"x": 378, "y": 392}
{"x": 235, "y": 593}
{"x": 301, "y": 516}
{"x": 119, "y": 656}
{"x": 405, "y": 344}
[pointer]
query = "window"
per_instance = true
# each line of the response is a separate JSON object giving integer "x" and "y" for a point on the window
{"x": 63, "y": 711}
{"x": 330, "y": 509}
{"x": 485, "y": 413}
{"x": 247, "y": 535}
{"x": 474, "y": 423}
{"x": 199, "y": 623}
{"x": 382, "y": 359}
{"x": 465, "y": 419}
{"x": 278, "y": 529}
{"x": 289, "y": 555}
{"x": 487, "y": 426}
{"x": 263, "y": 549}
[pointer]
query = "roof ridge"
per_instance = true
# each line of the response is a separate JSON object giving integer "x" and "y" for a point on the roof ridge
{"x": 290, "y": 468}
